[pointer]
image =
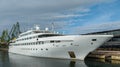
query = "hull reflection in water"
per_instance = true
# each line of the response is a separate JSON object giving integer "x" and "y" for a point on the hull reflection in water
{"x": 25, "y": 61}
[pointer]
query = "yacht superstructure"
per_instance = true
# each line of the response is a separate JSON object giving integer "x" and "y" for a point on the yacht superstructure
{"x": 43, "y": 43}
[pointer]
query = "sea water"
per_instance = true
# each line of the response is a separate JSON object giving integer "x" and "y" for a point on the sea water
{"x": 15, "y": 60}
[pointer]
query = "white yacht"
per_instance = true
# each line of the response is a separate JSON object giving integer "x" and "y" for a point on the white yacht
{"x": 43, "y": 43}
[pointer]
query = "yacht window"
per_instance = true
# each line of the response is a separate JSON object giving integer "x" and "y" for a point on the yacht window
{"x": 39, "y": 42}
{"x": 57, "y": 41}
{"x": 94, "y": 39}
{"x": 48, "y": 35}
{"x": 52, "y": 41}
{"x": 42, "y": 42}
{"x": 46, "y": 49}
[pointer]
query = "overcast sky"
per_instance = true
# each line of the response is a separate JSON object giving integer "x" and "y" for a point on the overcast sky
{"x": 69, "y": 16}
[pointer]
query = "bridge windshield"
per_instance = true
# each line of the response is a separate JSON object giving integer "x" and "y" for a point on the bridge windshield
{"x": 49, "y": 35}
{"x": 42, "y": 32}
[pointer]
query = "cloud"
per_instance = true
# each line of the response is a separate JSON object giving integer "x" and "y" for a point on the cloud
{"x": 96, "y": 27}
{"x": 47, "y": 3}
{"x": 44, "y": 12}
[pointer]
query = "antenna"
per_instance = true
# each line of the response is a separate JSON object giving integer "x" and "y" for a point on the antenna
{"x": 52, "y": 26}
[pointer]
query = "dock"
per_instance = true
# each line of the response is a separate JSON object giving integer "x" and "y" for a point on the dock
{"x": 107, "y": 55}
{"x": 4, "y": 49}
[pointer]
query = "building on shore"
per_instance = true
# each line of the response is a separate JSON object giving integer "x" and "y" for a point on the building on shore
{"x": 113, "y": 44}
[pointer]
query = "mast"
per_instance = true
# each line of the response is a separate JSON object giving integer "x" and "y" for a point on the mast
{"x": 52, "y": 27}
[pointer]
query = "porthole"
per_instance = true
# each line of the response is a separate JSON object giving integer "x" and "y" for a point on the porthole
{"x": 41, "y": 49}
{"x": 46, "y": 49}
{"x": 92, "y": 43}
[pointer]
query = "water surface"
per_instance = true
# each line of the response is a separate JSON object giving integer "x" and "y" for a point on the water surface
{"x": 14, "y": 60}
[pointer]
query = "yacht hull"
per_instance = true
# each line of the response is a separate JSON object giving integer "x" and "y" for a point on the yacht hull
{"x": 64, "y": 47}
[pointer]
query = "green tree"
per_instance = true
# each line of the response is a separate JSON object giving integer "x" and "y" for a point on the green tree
{"x": 4, "y": 38}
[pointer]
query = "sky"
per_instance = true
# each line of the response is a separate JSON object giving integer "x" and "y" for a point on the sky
{"x": 68, "y": 16}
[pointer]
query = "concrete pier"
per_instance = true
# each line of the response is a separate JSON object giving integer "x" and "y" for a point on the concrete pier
{"x": 3, "y": 49}
{"x": 107, "y": 55}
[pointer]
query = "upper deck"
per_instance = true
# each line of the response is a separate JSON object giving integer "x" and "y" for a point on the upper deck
{"x": 37, "y": 30}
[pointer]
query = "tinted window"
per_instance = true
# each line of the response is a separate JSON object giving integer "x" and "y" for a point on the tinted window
{"x": 49, "y": 35}
{"x": 94, "y": 39}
